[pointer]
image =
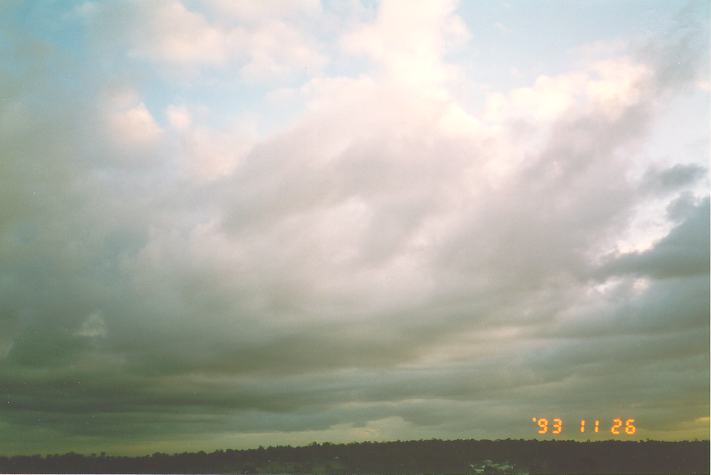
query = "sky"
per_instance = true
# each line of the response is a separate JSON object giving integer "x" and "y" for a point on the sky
{"x": 226, "y": 224}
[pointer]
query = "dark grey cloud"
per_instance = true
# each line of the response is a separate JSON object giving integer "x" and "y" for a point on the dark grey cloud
{"x": 683, "y": 252}
{"x": 673, "y": 178}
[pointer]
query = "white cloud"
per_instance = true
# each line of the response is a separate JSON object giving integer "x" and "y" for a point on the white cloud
{"x": 501, "y": 27}
{"x": 610, "y": 86}
{"x": 167, "y": 31}
{"x": 619, "y": 84}
{"x": 212, "y": 154}
{"x": 409, "y": 44}
{"x": 178, "y": 117}
{"x": 275, "y": 48}
{"x": 256, "y": 39}
{"x": 130, "y": 121}
{"x": 703, "y": 85}
{"x": 247, "y": 10}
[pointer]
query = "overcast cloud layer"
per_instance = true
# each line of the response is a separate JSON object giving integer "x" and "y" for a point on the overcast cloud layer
{"x": 226, "y": 224}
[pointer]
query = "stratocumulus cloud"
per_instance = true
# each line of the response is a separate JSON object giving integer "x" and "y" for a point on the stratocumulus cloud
{"x": 226, "y": 225}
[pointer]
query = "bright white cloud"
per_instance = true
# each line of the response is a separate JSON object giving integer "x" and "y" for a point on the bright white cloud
{"x": 409, "y": 43}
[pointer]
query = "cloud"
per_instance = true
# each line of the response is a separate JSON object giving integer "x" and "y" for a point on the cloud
{"x": 409, "y": 44}
{"x": 93, "y": 327}
{"x": 682, "y": 252}
{"x": 673, "y": 178}
{"x": 175, "y": 34}
{"x": 170, "y": 34}
{"x": 178, "y": 117}
{"x": 130, "y": 122}
{"x": 250, "y": 11}
{"x": 391, "y": 263}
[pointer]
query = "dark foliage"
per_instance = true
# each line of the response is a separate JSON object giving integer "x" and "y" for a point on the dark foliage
{"x": 411, "y": 457}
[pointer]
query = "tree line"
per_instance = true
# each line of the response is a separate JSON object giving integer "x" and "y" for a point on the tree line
{"x": 552, "y": 457}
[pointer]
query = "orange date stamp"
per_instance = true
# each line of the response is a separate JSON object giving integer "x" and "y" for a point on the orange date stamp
{"x": 555, "y": 426}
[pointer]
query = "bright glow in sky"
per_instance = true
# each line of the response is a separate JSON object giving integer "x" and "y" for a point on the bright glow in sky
{"x": 226, "y": 224}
